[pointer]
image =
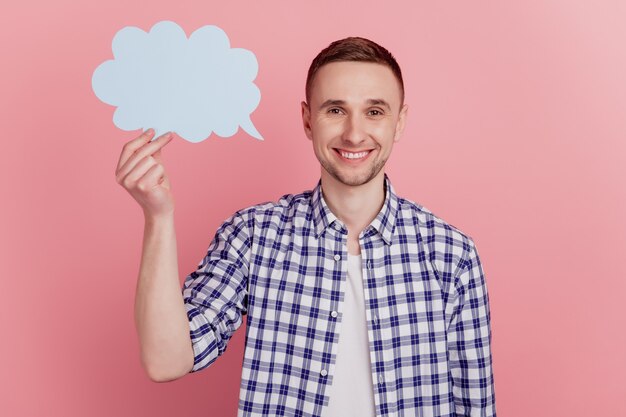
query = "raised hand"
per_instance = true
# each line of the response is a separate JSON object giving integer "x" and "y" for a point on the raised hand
{"x": 141, "y": 172}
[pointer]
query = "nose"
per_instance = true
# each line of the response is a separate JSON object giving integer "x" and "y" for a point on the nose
{"x": 354, "y": 130}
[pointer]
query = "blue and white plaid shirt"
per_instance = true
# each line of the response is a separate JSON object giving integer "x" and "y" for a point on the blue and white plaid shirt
{"x": 284, "y": 264}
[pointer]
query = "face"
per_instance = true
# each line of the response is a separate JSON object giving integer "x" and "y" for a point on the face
{"x": 354, "y": 117}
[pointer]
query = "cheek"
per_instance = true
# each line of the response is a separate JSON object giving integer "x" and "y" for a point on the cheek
{"x": 382, "y": 131}
{"x": 324, "y": 132}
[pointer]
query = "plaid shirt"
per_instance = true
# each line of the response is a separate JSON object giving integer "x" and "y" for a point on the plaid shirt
{"x": 283, "y": 266}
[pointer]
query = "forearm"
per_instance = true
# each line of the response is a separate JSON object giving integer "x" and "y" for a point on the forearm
{"x": 160, "y": 314}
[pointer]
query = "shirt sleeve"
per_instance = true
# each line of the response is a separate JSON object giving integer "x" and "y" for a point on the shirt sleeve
{"x": 215, "y": 295}
{"x": 469, "y": 342}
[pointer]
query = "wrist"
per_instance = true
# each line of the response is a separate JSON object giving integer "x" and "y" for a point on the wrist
{"x": 152, "y": 219}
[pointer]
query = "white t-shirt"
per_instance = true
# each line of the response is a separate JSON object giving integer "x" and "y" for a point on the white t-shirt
{"x": 352, "y": 392}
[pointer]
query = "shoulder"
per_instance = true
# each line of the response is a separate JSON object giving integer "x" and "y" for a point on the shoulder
{"x": 447, "y": 244}
{"x": 286, "y": 208}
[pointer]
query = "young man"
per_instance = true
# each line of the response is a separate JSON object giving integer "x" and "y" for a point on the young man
{"x": 357, "y": 302}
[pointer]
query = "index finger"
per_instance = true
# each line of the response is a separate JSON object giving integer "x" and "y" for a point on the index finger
{"x": 145, "y": 150}
{"x": 131, "y": 146}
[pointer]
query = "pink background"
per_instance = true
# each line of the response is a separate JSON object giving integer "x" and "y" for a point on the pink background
{"x": 517, "y": 121}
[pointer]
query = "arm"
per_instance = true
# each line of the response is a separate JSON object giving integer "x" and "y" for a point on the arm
{"x": 160, "y": 316}
{"x": 469, "y": 342}
{"x": 213, "y": 303}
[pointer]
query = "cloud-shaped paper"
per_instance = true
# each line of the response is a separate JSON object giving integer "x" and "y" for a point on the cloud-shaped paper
{"x": 192, "y": 86}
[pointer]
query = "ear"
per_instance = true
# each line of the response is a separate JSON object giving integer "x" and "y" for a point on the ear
{"x": 401, "y": 122}
{"x": 306, "y": 119}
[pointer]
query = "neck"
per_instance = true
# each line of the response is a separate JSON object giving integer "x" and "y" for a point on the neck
{"x": 355, "y": 206}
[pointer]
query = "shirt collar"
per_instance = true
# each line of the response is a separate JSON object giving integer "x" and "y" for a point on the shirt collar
{"x": 384, "y": 223}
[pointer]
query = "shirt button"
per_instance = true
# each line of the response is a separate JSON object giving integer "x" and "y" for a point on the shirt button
{"x": 333, "y": 313}
{"x": 381, "y": 379}
{"x": 324, "y": 372}
{"x": 337, "y": 257}
{"x": 369, "y": 264}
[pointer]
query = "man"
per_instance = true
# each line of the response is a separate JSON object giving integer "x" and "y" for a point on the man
{"x": 357, "y": 301}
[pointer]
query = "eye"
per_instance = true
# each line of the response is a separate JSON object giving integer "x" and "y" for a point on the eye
{"x": 334, "y": 110}
{"x": 375, "y": 112}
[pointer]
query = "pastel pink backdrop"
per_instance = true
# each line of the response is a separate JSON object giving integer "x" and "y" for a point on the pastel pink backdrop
{"x": 515, "y": 134}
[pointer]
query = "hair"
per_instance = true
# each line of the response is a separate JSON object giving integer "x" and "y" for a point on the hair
{"x": 354, "y": 49}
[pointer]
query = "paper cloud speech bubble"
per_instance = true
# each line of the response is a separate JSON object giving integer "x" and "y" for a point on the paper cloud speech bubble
{"x": 192, "y": 86}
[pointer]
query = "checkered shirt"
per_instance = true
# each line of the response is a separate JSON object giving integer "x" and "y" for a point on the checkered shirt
{"x": 283, "y": 266}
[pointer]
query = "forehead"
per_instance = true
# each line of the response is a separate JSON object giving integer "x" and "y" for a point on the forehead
{"x": 355, "y": 81}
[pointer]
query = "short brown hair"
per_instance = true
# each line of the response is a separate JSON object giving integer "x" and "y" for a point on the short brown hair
{"x": 353, "y": 49}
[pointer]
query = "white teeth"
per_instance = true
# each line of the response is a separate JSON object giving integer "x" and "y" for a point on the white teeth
{"x": 350, "y": 155}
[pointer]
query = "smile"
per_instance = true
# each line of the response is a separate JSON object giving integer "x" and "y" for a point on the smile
{"x": 353, "y": 155}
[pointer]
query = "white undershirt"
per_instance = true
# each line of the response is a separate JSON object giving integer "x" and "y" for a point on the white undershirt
{"x": 352, "y": 392}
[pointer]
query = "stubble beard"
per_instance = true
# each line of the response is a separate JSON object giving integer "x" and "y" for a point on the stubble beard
{"x": 353, "y": 180}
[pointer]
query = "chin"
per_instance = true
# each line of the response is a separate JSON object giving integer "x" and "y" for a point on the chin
{"x": 354, "y": 180}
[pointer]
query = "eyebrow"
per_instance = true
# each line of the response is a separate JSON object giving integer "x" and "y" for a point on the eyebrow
{"x": 378, "y": 102}
{"x": 371, "y": 102}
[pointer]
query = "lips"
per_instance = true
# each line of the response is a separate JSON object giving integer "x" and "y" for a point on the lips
{"x": 353, "y": 155}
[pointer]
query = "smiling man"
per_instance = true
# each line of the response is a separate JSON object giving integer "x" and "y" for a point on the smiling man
{"x": 355, "y": 115}
{"x": 357, "y": 302}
